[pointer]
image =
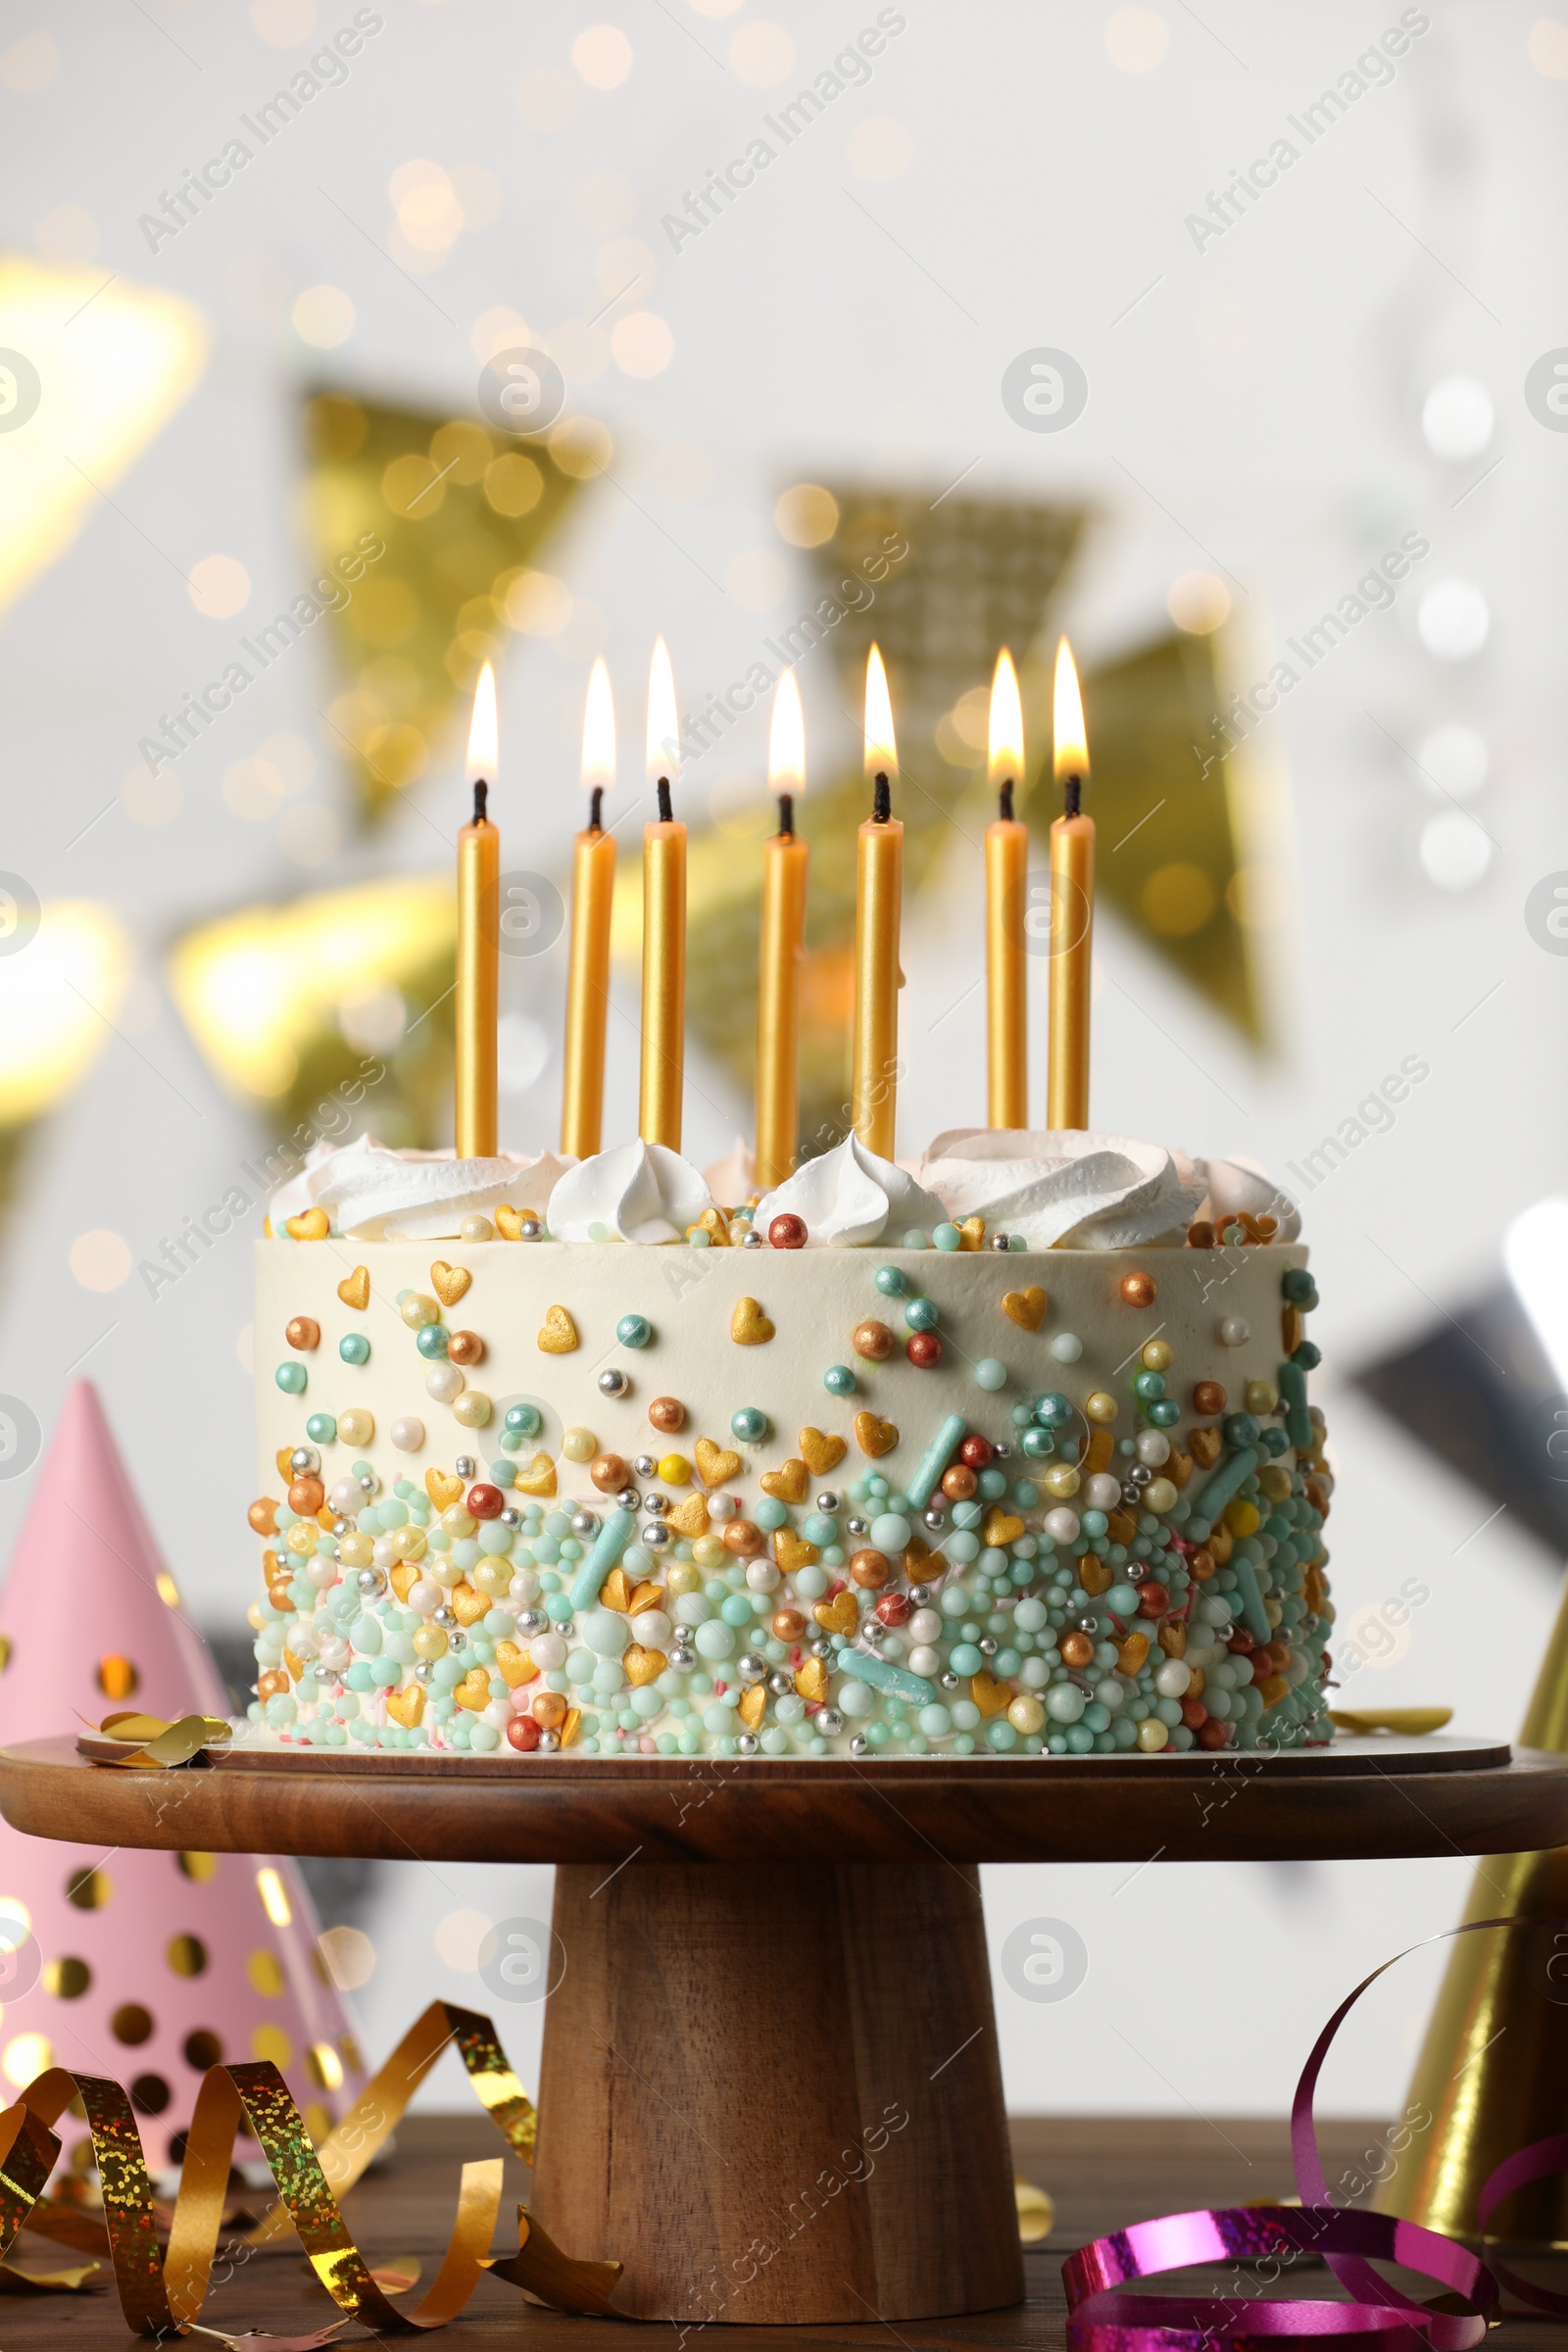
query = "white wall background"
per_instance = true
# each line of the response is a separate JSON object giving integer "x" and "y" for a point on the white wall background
{"x": 1254, "y": 408}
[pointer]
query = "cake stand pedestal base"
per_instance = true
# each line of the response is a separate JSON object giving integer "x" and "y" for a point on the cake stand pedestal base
{"x": 774, "y": 2093}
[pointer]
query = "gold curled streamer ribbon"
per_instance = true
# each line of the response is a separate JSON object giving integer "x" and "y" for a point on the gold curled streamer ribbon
{"x": 162, "y": 2287}
{"x": 160, "y": 1744}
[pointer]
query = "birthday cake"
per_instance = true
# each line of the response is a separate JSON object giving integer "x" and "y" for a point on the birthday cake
{"x": 1010, "y": 1453}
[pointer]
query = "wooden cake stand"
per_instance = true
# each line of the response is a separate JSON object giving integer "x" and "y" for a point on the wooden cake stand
{"x": 772, "y": 2088}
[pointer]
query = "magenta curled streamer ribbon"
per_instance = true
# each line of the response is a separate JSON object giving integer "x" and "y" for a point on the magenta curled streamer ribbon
{"x": 1379, "y": 2317}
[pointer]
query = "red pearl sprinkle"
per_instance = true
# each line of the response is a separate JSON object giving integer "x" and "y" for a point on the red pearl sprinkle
{"x": 976, "y": 1452}
{"x": 894, "y": 1607}
{"x": 1240, "y": 1642}
{"x": 1194, "y": 1714}
{"x": 486, "y": 1502}
{"x": 923, "y": 1350}
{"x": 787, "y": 1233}
{"x": 1212, "y": 1734}
{"x": 1153, "y": 1599}
{"x": 522, "y": 1734}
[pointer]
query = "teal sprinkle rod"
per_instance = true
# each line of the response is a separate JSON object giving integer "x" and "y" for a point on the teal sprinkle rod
{"x": 1226, "y": 1481}
{"x": 922, "y": 1485}
{"x": 884, "y": 1676}
{"x": 1253, "y": 1614}
{"x": 607, "y": 1545}
{"x": 1297, "y": 1425}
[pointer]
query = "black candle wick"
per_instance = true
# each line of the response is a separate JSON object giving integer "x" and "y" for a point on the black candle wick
{"x": 596, "y": 807}
{"x": 881, "y": 801}
{"x": 481, "y": 793}
{"x": 1071, "y": 790}
{"x": 1004, "y": 802}
{"x": 786, "y": 814}
{"x": 667, "y": 813}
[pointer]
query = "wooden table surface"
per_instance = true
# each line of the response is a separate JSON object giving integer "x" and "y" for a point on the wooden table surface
{"x": 1102, "y": 2171}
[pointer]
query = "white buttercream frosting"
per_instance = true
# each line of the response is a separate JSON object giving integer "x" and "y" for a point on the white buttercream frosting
{"x": 730, "y": 1179}
{"x": 1237, "y": 1184}
{"x": 373, "y": 1194}
{"x": 848, "y": 1197}
{"x": 1091, "y": 1192}
{"x": 638, "y": 1193}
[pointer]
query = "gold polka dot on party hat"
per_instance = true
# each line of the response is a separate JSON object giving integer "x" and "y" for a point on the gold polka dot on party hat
{"x": 186, "y": 1955}
{"x": 67, "y": 1979}
{"x": 270, "y": 2041}
{"x": 89, "y": 1890}
{"x": 265, "y": 1972}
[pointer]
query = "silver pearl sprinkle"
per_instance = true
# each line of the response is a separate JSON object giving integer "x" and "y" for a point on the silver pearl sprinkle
{"x": 1140, "y": 1475}
{"x": 657, "y": 1505}
{"x": 751, "y": 1239}
{"x": 860, "y": 1745}
{"x": 949, "y": 1680}
{"x": 1131, "y": 1497}
{"x": 528, "y": 1230}
{"x": 935, "y": 1518}
{"x": 343, "y": 1527}
{"x": 750, "y": 1669}
{"x": 548, "y": 1741}
{"x": 457, "y": 1639}
{"x": 305, "y": 1461}
{"x": 1089, "y": 1623}
{"x": 988, "y": 1645}
{"x": 919, "y": 1594}
{"x": 628, "y": 1500}
{"x": 614, "y": 1382}
{"x": 656, "y": 1535}
{"x": 424, "y": 1672}
{"x": 857, "y": 1527}
{"x": 445, "y": 1618}
{"x": 511, "y": 1517}
{"x": 583, "y": 1523}
{"x": 821, "y": 1648}
{"x": 371, "y": 1580}
{"x": 827, "y": 1500}
{"x": 369, "y": 1483}
{"x": 778, "y": 1681}
{"x": 466, "y": 1466}
{"x": 999, "y": 1240}
{"x": 644, "y": 1465}
{"x": 748, "y": 1744}
{"x": 1001, "y": 1450}
{"x": 828, "y": 1722}
{"x": 873, "y": 1629}
{"x": 533, "y": 1621}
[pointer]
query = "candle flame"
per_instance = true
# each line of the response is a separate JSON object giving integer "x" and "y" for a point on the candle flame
{"x": 786, "y": 743}
{"x": 1067, "y": 715}
{"x": 881, "y": 751}
{"x": 599, "y": 732}
{"x": 1007, "y": 723}
{"x": 483, "y": 733}
{"x": 664, "y": 731}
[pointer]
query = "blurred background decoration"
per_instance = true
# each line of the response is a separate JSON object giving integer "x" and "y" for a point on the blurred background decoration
{"x": 462, "y": 512}
{"x": 119, "y": 358}
{"x": 288, "y": 1003}
{"x": 57, "y": 1002}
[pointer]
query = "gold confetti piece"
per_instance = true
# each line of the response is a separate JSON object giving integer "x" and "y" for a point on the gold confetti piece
{"x": 1037, "y": 2212}
{"x": 1408, "y": 1723}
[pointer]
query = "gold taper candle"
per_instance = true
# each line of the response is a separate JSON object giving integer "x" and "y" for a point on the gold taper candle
{"x": 593, "y": 886}
{"x": 1007, "y": 882}
{"x": 1072, "y": 908}
{"x": 663, "y": 1063}
{"x": 878, "y": 909}
{"x": 785, "y": 860}
{"x": 479, "y": 943}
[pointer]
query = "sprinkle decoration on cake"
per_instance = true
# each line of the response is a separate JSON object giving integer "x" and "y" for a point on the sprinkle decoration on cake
{"x": 1005, "y": 1454}
{"x": 744, "y": 1489}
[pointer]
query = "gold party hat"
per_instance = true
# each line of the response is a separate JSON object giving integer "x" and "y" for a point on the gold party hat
{"x": 1492, "y": 2074}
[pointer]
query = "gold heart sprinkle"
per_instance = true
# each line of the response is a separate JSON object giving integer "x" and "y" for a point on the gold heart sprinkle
{"x": 311, "y": 1225}
{"x": 616, "y": 1591}
{"x": 560, "y": 1334}
{"x": 538, "y": 1479}
{"x": 990, "y": 1696}
{"x": 822, "y": 1453}
{"x": 689, "y": 1518}
{"x": 405, "y": 1576}
{"x": 443, "y": 1488}
{"x": 569, "y": 1729}
{"x": 973, "y": 1232}
{"x": 811, "y": 1680}
{"x": 793, "y": 1552}
{"x": 514, "y": 1665}
{"x": 648, "y": 1595}
{"x": 355, "y": 1288}
{"x": 1131, "y": 1651}
{"x": 475, "y": 1690}
{"x": 642, "y": 1665}
{"x": 1001, "y": 1527}
{"x": 874, "y": 1436}
{"x": 509, "y": 1222}
{"x": 748, "y": 1327}
{"x": 788, "y": 1484}
{"x": 1205, "y": 1447}
{"x": 449, "y": 1282}
{"x": 715, "y": 1463}
{"x": 1027, "y": 1309}
{"x": 838, "y": 1615}
{"x": 407, "y": 1706}
{"x": 753, "y": 1707}
{"x": 466, "y": 1606}
{"x": 284, "y": 1467}
{"x": 922, "y": 1565}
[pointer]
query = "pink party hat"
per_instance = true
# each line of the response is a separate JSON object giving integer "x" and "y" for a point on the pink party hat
{"x": 145, "y": 1966}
